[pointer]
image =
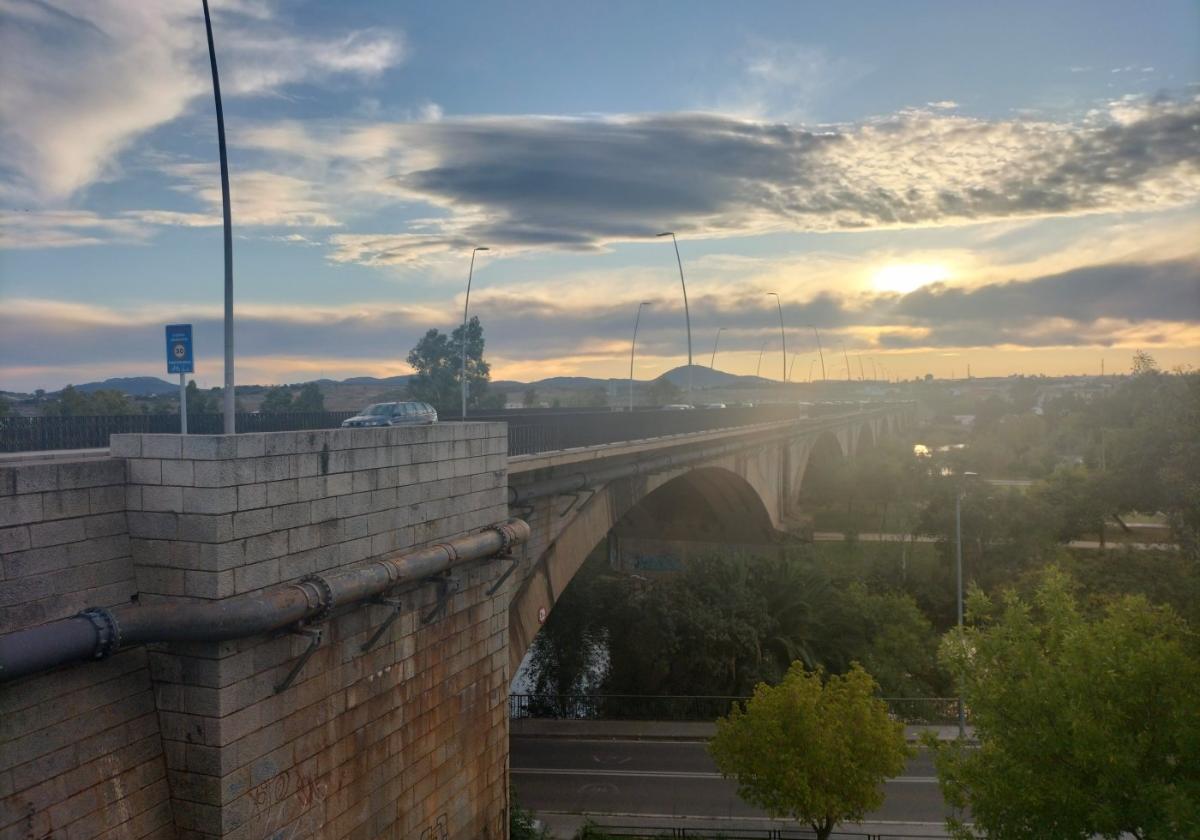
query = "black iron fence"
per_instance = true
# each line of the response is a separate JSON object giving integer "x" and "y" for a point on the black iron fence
{"x": 927, "y": 711}
{"x": 532, "y": 433}
{"x": 28, "y": 434}
{"x": 592, "y": 831}
{"x": 528, "y": 431}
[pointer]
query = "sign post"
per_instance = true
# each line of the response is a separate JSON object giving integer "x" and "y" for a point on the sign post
{"x": 179, "y": 360}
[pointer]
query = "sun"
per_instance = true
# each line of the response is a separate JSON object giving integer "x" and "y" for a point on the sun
{"x": 905, "y": 277}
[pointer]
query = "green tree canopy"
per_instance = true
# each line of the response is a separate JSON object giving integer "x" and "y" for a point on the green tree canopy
{"x": 437, "y": 364}
{"x": 278, "y": 400}
{"x": 202, "y": 402}
{"x": 309, "y": 399}
{"x": 812, "y": 749}
{"x": 105, "y": 402}
{"x": 1087, "y": 726}
{"x": 663, "y": 391}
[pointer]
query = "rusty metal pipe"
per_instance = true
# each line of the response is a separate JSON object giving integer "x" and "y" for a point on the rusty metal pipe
{"x": 96, "y": 633}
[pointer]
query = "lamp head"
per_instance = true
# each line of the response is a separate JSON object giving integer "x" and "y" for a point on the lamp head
{"x": 482, "y": 248}
{"x": 666, "y": 233}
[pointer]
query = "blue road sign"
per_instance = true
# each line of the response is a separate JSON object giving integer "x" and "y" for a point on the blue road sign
{"x": 179, "y": 348}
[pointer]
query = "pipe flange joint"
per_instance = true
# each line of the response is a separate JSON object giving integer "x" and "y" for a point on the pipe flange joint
{"x": 326, "y": 595}
{"x": 108, "y": 630}
{"x": 506, "y": 538}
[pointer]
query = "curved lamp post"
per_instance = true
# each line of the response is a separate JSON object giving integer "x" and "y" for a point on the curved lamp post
{"x": 633, "y": 349}
{"x": 466, "y": 306}
{"x": 758, "y": 367}
{"x": 782, "y": 338}
{"x": 716, "y": 341}
{"x": 686, "y": 313}
{"x": 820, "y": 352}
{"x": 958, "y": 497}
{"x": 229, "y": 396}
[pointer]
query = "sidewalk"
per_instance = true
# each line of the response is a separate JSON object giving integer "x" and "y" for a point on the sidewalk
{"x": 662, "y": 730}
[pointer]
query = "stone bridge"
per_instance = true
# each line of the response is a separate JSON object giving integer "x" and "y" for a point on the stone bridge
{"x": 312, "y": 634}
{"x": 739, "y": 485}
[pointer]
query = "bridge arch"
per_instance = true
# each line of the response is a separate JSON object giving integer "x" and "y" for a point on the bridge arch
{"x": 866, "y": 438}
{"x": 721, "y": 498}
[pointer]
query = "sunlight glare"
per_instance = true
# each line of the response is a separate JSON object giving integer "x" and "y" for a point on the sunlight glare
{"x": 906, "y": 277}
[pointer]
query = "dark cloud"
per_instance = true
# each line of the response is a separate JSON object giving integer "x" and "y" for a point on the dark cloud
{"x": 1166, "y": 291}
{"x": 578, "y": 183}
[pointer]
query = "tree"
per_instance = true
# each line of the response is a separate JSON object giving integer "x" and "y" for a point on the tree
{"x": 663, "y": 391}
{"x": 1078, "y": 500}
{"x": 1143, "y": 363}
{"x": 5, "y": 408}
{"x": 529, "y": 399}
{"x": 277, "y": 400}
{"x": 812, "y": 749}
{"x": 437, "y": 362}
{"x": 310, "y": 398}
{"x": 1087, "y": 725}
{"x": 105, "y": 402}
{"x": 201, "y": 402}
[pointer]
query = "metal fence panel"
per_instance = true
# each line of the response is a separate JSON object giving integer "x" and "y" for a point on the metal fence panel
{"x": 912, "y": 710}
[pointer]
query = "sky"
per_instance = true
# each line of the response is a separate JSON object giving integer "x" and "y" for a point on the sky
{"x": 1014, "y": 187}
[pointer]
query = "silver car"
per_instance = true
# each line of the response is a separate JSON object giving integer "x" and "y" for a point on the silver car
{"x": 393, "y": 414}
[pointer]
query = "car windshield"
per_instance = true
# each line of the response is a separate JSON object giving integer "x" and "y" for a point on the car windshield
{"x": 378, "y": 410}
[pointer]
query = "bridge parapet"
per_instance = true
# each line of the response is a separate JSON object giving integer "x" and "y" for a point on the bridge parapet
{"x": 250, "y": 737}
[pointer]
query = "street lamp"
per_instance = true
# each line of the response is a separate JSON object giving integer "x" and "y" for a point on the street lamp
{"x": 820, "y": 352}
{"x": 792, "y": 366}
{"x": 758, "y": 367}
{"x": 958, "y": 497}
{"x": 715, "y": 342}
{"x": 466, "y": 305}
{"x": 633, "y": 348}
{"x": 782, "y": 339}
{"x": 229, "y": 398}
{"x": 686, "y": 313}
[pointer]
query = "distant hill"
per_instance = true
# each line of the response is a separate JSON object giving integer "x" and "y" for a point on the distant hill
{"x": 374, "y": 380}
{"x": 134, "y": 386}
{"x": 703, "y": 377}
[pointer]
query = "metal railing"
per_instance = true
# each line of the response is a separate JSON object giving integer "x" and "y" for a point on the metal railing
{"x": 529, "y": 431}
{"x": 532, "y": 433}
{"x": 927, "y": 711}
{"x": 593, "y": 831}
{"x": 30, "y": 434}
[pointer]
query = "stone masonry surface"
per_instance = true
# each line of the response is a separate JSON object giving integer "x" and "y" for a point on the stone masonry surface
{"x": 80, "y": 750}
{"x": 408, "y": 739}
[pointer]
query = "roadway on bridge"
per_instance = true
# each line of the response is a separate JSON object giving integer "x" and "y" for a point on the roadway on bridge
{"x": 641, "y": 782}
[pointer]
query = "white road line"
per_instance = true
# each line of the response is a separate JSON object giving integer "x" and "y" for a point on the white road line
{"x": 666, "y": 774}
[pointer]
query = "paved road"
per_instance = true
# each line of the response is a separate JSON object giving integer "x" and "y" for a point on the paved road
{"x": 837, "y": 536}
{"x": 670, "y": 778}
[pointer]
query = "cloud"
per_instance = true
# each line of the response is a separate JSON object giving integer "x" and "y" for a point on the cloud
{"x": 582, "y": 183}
{"x": 785, "y": 80}
{"x": 65, "y": 229}
{"x": 83, "y": 79}
{"x": 1128, "y": 305}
